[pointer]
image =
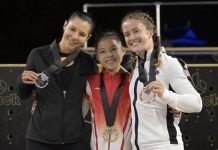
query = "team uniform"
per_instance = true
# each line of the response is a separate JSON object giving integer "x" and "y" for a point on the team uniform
{"x": 154, "y": 127}
{"x": 121, "y": 139}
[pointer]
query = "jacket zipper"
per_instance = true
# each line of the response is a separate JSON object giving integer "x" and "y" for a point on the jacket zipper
{"x": 64, "y": 102}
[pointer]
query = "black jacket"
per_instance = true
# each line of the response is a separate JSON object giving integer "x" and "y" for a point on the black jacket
{"x": 57, "y": 118}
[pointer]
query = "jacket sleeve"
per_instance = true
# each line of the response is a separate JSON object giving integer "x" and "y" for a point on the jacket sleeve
{"x": 86, "y": 101}
{"x": 87, "y": 65}
{"x": 185, "y": 98}
{"x": 24, "y": 90}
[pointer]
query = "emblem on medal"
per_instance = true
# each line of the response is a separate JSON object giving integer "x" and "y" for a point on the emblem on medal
{"x": 110, "y": 134}
{"x": 42, "y": 80}
{"x": 147, "y": 96}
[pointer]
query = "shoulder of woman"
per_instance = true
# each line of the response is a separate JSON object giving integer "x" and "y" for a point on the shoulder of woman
{"x": 85, "y": 55}
{"x": 93, "y": 77}
{"x": 87, "y": 64}
{"x": 39, "y": 50}
{"x": 169, "y": 62}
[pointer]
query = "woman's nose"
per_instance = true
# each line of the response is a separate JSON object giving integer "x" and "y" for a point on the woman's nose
{"x": 131, "y": 36}
{"x": 75, "y": 36}
{"x": 108, "y": 54}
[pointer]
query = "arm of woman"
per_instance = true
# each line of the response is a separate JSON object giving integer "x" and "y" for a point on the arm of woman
{"x": 85, "y": 107}
{"x": 86, "y": 101}
{"x": 185, "y": 98}
{"x": 25, "y": 81}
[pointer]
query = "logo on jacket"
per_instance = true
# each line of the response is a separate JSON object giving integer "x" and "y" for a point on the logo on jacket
{"x": 97, "y": 88}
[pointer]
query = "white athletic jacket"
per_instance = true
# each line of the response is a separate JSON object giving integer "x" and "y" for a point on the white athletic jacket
{"x": 153, "y": 127}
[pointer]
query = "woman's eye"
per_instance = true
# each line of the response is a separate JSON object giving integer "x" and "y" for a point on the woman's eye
{"x": 72, "y": 29}
{"x": 136, "y": 31}
{"x": 126, "y": 35}
{"x": 101, "y": 52}
{"x": 114, "y": 49}
{"x": 83, "y": 35}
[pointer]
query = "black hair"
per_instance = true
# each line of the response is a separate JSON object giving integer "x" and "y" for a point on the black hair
{"x": 126, "y": 63}
{"x": 84, "y": 16}
{"x": 107, "y": 34}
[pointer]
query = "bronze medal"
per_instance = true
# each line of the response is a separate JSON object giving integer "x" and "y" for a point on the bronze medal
{"x": 147, "y": 97}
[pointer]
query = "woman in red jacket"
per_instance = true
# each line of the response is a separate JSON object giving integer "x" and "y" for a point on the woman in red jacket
{"x": 108, "y": 95}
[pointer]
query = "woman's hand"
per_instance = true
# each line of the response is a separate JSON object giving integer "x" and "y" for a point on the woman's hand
{"x": 156, "y": 87}
{"x": 29, "y": 77}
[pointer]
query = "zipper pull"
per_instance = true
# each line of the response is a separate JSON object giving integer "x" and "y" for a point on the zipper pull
{"x": 64, "y": 92}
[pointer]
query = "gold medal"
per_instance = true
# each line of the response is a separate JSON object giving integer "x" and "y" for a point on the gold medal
{"x": 110, "y": 134}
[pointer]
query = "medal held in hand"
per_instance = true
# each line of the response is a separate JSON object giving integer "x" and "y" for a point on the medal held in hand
{"x": 146, "y": 95}
{"x": 42, "y": 80}
{"x": 110, "y": 134}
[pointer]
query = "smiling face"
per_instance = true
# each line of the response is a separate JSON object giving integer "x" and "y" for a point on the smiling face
{"x": 109, "y": 53}
{"x": 138, "y": 38}
{"x": 76, "y": 33}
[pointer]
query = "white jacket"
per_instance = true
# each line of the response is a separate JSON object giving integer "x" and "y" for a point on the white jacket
{"x": 153, "y": 127}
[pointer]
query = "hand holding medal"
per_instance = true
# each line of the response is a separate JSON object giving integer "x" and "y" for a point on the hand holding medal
{"x": 150, "y": 91}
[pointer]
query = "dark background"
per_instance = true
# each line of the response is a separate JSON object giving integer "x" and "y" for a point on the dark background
{"x": 26, "y": 24}
{"x": 31, "y": 23}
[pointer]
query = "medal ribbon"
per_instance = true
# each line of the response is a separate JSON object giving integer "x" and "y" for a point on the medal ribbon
{"x": 143, "y": 75}
{"x": 60, "y": 64}
{"x": 110, "y": 111}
